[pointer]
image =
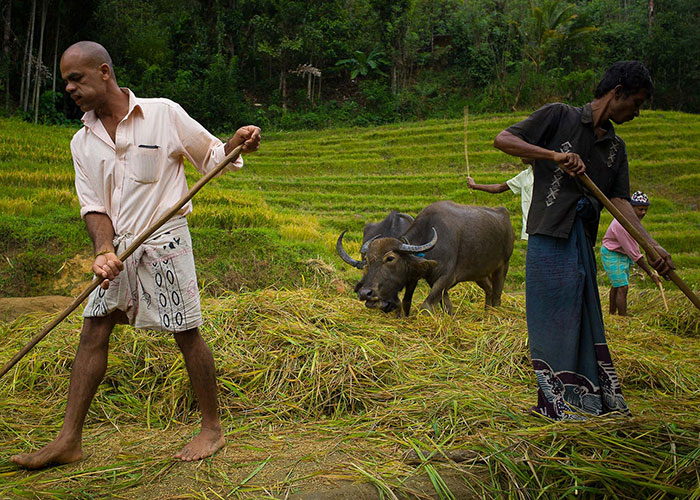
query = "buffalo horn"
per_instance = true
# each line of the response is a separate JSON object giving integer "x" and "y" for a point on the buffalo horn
{"x": 419, "y": 248}
{"x": 365, "y": 245}
{"x": 344, "y": 255}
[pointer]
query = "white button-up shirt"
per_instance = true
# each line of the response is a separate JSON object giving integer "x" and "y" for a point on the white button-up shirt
{"x": 140, "y": 175}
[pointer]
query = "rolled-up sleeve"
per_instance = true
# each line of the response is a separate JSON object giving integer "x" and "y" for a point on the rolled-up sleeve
{"x": 88, "y": 198}
{"x": 201, "y": 148}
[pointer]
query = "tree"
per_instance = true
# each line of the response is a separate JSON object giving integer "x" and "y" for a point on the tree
{"x": 395, "y": 21}
{"x": 39, "y": 66}
{"x": 7, "y": 30}
{"x": 364, "y": 64}
{"x": 28, "y": 48}
{"x": 549, "y": 22}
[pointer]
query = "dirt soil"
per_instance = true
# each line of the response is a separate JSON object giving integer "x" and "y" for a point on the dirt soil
{"x": 13, "y": 307}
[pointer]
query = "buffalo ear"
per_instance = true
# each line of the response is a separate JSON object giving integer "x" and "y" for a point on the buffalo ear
{"x": 423, "y": 266}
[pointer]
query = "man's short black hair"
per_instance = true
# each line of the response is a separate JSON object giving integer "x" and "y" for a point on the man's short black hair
{"x": 632, "y": 75}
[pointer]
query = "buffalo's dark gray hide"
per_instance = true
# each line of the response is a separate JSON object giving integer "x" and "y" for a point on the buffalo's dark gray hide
{"x": 448, "y": 243}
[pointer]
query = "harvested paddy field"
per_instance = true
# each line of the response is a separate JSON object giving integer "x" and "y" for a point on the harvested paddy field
{"x": 321, "y": 397}
{"x": 319, "y": 393}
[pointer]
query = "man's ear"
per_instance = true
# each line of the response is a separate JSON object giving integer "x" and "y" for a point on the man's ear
{"x": 619, "y": 92}
{"x": 105, "y": 71}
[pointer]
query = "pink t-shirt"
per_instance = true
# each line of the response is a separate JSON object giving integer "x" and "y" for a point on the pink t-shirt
{"x": 617, "y": 239}
{"x": 140, "y": 176}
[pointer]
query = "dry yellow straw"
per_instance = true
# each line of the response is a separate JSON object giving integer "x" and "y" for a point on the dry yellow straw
{"x": 663, "y": 295}
{"x": 466, "y": 129}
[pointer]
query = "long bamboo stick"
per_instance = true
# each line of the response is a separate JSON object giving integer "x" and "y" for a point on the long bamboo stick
{"x": 650, "y": 250}
{"x": 137, "y": 243}
{"x": 466, "y": 138}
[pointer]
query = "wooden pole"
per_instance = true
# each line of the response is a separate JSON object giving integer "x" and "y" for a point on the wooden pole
{"x": 650, "y": 250}
{"x": 466, "y": 141}
{"x": 137, "y": 243}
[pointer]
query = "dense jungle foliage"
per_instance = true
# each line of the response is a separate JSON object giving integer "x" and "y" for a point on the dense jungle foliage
{"x": 290, "y": 64}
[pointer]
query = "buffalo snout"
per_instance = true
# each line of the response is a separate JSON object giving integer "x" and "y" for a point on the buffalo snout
{"x": 366, "y": 293}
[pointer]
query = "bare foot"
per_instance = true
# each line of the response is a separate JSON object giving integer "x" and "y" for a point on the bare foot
{"x": 204, "y": 445}
{"x": 53, "y": 453}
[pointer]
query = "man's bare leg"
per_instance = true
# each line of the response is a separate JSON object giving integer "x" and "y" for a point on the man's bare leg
{"x": 200, "y": 367}
{"x": 613, "y": 300}
{"x": 88, "y": 370}
{"x": 621, "y": 300}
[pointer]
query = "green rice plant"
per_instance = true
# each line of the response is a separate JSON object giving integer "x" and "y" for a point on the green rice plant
{"x": 15, "y": 206}
{"x": 306, "y": 232}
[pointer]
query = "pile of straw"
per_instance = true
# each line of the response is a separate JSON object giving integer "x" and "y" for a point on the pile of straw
{"x": 436, "y": 387}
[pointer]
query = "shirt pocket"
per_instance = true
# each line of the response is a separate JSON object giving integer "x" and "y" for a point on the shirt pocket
{"x": 147, "y": 163}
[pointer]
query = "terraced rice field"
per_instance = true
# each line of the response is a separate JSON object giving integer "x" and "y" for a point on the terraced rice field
{"x": 320, "y": 396}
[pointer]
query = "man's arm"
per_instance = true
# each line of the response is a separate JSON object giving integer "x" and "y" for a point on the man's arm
{"x": 571, "y": 163}
{"x": 645, "y": 267}
{"x": 489, "y": 188}
{"x": 106, "y": 265}
{"x": 662, "y": 265}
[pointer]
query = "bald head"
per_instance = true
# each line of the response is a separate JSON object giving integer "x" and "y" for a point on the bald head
{"x": 87, "y": 70}
{"x": 91, "y": 53}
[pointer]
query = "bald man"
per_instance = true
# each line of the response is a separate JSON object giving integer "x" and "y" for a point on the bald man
{"x": 129, "y": 171}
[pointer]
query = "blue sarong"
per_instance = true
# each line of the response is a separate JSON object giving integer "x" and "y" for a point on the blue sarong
{"x": 572, "y": 363}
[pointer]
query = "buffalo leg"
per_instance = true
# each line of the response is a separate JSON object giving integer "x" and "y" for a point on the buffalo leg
{"x": 446, "y": 302}
{"x": 408, "y": 297}
{"x": 437, "y": 291}
{"x": 487, "y": 287}
{"x": 498, "y": 278}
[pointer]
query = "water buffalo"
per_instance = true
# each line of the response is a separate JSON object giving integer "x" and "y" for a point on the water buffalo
{"x": 393, "y": 225}
{"x": 455, "y": 243}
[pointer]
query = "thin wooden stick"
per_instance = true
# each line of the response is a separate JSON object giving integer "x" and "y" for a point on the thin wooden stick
{"x": 466, "y": 138}
{"x": 137, "y": 243}
{"x": 650, "y": 250}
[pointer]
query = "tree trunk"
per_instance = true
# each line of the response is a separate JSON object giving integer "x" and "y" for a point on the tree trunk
{"x": 23, "y": 71}
{"x": 651, "y": 13}
{"x": 283, "y": 88}
{"x": 55, "y": 47}
{"x": 7, "y": 15}
{"x": 309, "y": 96}
{"x": 37, "y": 79}
{"x": 28, "y": 55}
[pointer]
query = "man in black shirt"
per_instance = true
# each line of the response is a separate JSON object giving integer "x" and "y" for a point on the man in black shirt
{"x": 569, "y": 353}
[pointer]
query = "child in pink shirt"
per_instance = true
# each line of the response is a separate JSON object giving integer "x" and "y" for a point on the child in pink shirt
{"x": 619, "y": 251}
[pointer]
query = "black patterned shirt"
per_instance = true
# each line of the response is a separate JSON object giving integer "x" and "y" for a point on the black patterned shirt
{"x": 563, "y": 128}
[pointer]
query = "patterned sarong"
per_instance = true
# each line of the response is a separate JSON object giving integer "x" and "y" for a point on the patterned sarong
{"x": 574, "y": 371}
{"x": 158, "y": 287}
{"x": 617, "y": 266}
